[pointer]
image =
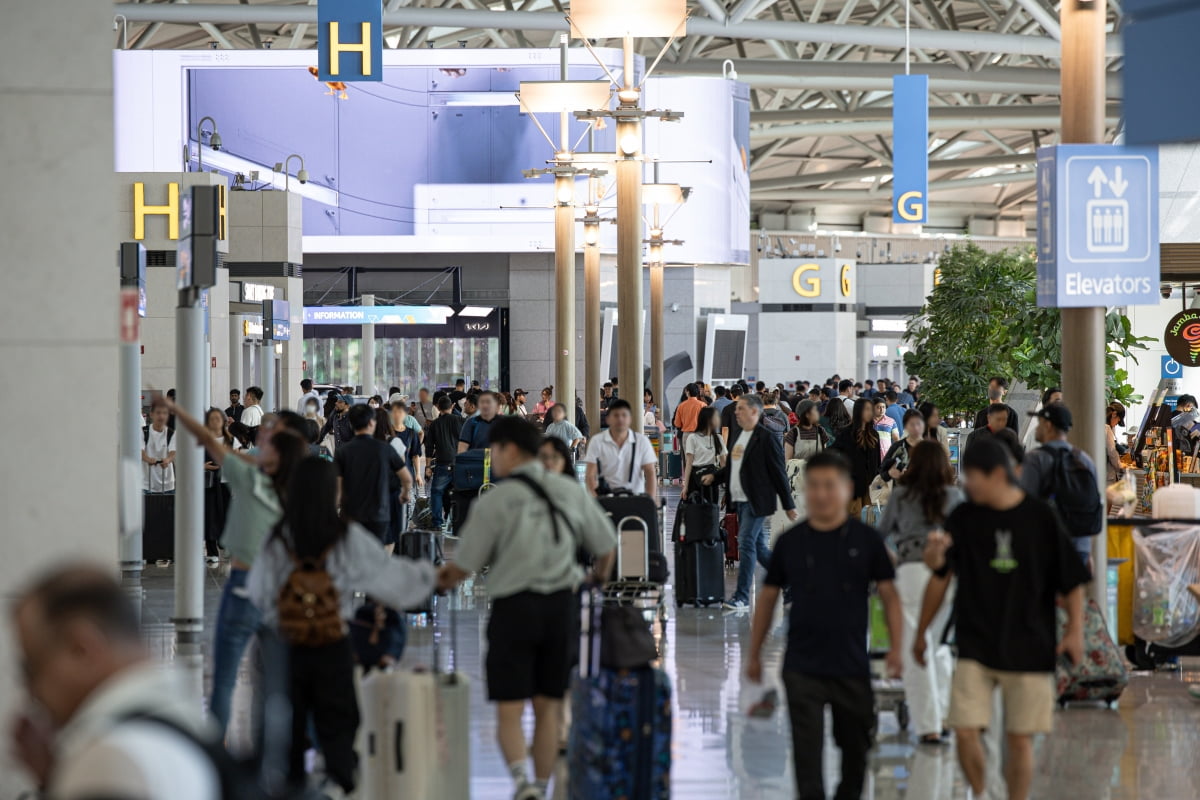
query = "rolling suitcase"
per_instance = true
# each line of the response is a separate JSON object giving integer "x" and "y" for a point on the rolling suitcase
{"x": 421, "y": 545}
{"x": 620, "y": 740}
{"x": 729, "y": 524}
{"x": 1102, "y": 675}
{"x": 639, "y": 547}
{"x": 416, "y": 732}
{"x": 699, "y": 573}
{"x": 158, "y": 528}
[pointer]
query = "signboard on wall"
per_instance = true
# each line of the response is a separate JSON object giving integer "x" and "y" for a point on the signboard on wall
{"x": 1182, "y": 339}
{"x": 822, "y": 281}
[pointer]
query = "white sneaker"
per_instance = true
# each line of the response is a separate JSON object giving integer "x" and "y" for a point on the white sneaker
{"x": 528, "y": 791}
{"x": 735, "y": 605}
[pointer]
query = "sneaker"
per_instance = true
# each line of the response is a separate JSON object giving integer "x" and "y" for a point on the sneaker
{"x": 527, "y": 791}
{"x": 162, "y": 563}
{"x": 735, "y": 605}
{"x": 1194, "y": 692}
{"x": 213, "y": 561}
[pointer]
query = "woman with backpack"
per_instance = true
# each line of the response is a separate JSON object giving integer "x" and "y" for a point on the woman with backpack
{"x": 924, "y": 496}
{"x": 806, "y": 438}
{"x": 860, "y": 444}
{"x": 257, "y": 488}
{"x": 303, "y": 583}
{"x": 703, "y": 455}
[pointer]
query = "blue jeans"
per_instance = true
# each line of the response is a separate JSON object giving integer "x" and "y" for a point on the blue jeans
{"x": 442, "y": 473}
{"x": 752, "y": 546}
{"x": 237, "y": 622}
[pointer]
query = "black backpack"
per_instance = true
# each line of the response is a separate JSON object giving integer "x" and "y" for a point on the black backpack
{"x": 1073, "y": 490}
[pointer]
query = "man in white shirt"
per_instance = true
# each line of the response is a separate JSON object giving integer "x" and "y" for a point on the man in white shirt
{"x": 253, "y": 413}
{"x": 306, "y": 387}
{"x": 91, "y": 676}
{"x": 158, "y": 451}
{"x": 846, "y": 395}
{"x": 622, "y": 458}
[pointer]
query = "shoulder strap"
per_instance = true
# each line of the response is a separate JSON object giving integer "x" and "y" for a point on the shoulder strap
{"x": 633, "y": 448}
{"x": 537, "y": 489}
{"x": 229, "y": 774}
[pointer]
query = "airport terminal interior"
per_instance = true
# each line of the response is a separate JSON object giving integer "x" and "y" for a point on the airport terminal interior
{"x": 860, "y": 333}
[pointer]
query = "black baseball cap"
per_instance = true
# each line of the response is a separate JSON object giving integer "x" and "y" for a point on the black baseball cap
{"x": 1056, "y": 414}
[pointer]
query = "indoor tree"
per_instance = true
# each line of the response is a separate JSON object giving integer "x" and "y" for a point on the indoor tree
{"x": 982, "y": 319}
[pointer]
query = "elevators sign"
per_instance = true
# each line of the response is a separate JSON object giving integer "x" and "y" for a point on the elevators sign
{"x": 1182, "y": 338}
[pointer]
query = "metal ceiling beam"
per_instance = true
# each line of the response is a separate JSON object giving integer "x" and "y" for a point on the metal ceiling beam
{"x": 713, "y": 9}
{"x": 945, "y": 113}
{"x": 868, "y": 196}
{"x": 804, "y": 32}
{"x": 1043, "y": 16}
{"x": 844, "y": 175}
{"x": 1035, "y": 119}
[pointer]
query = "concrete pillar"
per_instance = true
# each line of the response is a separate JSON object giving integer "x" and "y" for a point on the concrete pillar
{"x": 367, "y": 378}
{"x": 629, "y": 239}
{"x": 1084, "y": 344}
{"x": 59, "y": 308}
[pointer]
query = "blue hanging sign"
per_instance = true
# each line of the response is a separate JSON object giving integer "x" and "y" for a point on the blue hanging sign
{"x": 1097, "y": 226}
{"x": 910, "y": 148}
{"x": 349, "y": 41}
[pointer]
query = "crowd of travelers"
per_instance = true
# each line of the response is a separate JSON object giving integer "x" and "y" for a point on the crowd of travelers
{"x": 306, "y": 505}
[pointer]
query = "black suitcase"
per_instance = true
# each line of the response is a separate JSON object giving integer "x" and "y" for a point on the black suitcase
{"x": 699, "y": 573}
{"x": 699, "y": 522}
{"x": 421, "y": 545}
{"x": 158, "y": 528}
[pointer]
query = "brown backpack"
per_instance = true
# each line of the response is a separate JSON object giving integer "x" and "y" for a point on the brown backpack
{"x": 309, "y": 612}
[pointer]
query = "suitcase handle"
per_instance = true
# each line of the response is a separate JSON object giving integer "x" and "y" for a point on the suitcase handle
{"x": 399, "y": 745}
{"x": 641, "y": 523}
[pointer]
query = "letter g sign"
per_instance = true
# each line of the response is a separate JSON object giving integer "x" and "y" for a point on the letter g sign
{"x": 910, "y": 206}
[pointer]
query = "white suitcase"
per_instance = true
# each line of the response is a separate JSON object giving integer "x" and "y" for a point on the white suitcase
{"x": 415, "y": 742}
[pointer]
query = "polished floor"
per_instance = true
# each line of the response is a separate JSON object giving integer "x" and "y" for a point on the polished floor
{"x": 1147, "y": 748}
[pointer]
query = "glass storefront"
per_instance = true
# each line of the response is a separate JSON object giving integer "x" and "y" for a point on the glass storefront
{"x": 407, "y": 363}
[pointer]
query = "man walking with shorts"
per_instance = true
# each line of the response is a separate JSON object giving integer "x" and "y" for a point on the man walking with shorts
{"x": 528, "y": 529}
{"x": 1013, "y": 559}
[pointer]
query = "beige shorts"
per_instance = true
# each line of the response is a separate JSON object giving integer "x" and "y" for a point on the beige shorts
{"x": 1028, "y": 698}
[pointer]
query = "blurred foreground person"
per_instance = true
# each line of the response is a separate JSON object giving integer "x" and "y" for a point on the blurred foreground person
{"x": 109, "y": 722}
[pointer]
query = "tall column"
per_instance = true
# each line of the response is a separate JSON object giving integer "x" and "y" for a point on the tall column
{"x": 592, "y": 379}
{"x": 656, "y": 327}
{"x": 564, "y": 292}
{"x": 629, "y": 237}
{"x": 189, "y": 495}
{"x": 58, "y": 245}
{"x": 236, "y": 368}
{"x": 1083, "y": 335}
{"x": 368, "y": 351}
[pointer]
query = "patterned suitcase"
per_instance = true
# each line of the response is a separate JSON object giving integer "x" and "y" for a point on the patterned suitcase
{"x": 1102, "y": 675}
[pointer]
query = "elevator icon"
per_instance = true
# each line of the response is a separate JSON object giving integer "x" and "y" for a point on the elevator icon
{"x": 1107, "y": 226}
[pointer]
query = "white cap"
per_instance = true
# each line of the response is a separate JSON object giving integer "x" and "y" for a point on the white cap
{"x": 398, "y": 398}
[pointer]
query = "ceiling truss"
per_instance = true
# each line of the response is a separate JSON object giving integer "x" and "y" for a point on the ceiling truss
{"x": 819, "y": 71}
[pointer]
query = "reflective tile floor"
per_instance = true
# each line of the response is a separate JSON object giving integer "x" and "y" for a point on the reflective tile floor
{"x": 1148, "y": 748}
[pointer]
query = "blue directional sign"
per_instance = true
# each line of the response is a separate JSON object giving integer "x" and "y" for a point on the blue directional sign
{"x": 349, "y": 41}
{"x": 1171, "y": 368}
{"x": 1097, "y": 226}
{"x": 910, "y": 148}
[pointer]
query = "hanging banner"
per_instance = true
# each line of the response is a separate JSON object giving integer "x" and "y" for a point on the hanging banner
{"x": 349, "y": 41}
{"x": 910, "y": 148}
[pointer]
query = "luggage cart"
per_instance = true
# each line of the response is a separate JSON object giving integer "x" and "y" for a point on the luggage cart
{"x": 889, "y": 692}
{"x": 632, "y": 586}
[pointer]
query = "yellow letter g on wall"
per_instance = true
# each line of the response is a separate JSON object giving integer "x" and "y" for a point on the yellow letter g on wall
{"x": 910, "y": 207}
{"x": 806, "y": 286}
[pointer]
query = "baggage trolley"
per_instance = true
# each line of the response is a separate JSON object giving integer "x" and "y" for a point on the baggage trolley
{"x": 632, "y": 585}
{"x": 889, "y": 692}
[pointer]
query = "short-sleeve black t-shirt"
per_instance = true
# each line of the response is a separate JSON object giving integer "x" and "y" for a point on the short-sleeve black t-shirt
{"x": 1010, "y": 566}
{"x": 729, "y": 418}
{"x": 366, "y": 464}
{"x": 830, "y": 573}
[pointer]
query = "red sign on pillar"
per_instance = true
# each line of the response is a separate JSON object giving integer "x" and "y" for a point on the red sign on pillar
{"x": 129, "y": 316}
{"x": 214, "y": 362}
{"x": 304, "y": 366}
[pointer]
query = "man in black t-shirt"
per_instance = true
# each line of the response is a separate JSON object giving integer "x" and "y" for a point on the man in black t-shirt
{"x": 729, "y": 423}
{"x": 365, "y": 465}
{"x": 1013, "y": 558}
{"x": 441, "y": 446}
{"x": 829, "y": 562}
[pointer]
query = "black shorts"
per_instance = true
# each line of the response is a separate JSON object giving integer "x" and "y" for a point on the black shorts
{"x": 533, "y": 640}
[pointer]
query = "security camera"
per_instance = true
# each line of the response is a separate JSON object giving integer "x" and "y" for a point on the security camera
{"x": 1166, "y": 290}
